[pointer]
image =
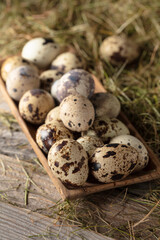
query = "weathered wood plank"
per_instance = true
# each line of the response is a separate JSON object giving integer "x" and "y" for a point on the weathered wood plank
{"x": 21, "y": 224}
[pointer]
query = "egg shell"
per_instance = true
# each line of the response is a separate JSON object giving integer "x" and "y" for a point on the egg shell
{"x": 66, "y": 62}
{"x": 75, "y": 81}
{"x": 129, "y": 140}
{"x": 90, "y": 144}
{"x": 13, "y": 62}
{"x": 54, "y": 88}
{"x": 20, "y": 80}
{"x": 48, "y": 134}
{"x": 48, "y": 77}
{"x": 106, "y": 128}
{"x": 113, "y": 162}
{"x": 77, "y": 113}
{"x": 40, "y": 51}
{"x": 35, "y": 104}
{"x": 106, "y": 104}
{"x": 53, "y": 115}
{"x": 119, "y": 49}
{"x": 69, "y": 162}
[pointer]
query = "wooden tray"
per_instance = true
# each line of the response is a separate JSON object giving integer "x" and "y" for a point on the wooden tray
{"x": 152, "y": 171}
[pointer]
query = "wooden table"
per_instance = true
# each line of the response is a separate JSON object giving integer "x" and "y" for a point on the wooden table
{"x": 27, "y": 197}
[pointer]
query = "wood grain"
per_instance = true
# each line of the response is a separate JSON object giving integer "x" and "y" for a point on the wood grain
{"x": 151, "y": 172}
{"x": 21, "y": 224}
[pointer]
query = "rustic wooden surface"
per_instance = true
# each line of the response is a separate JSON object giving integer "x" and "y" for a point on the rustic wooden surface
{"x": 18, "y": 164}
{"x": 22, "y": 224}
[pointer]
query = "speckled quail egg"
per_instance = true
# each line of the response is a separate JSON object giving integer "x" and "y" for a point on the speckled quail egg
{"x": 69, "y": 162}
{"x": 48, "y": 134}
{"x": 90, "y": 144}
{"x": 13, "y": 62}
{"x": 119, "y": 49}
{"x": 48, "y": 77}
{"x": 113, "y": 162}
{"x": 53, "y": 115}
{"x": 129, "y": 140}
{"x": 66, "y": 62}
{"x": 40, "y": 51}
{"x": 75, "y": 81}
{"x": 20, "y": 80}
{"x": 77, "y": 113}
{"x": 106, "y": 128}
{"x": 35, "y": 104}
{"x": 106, "y": 103}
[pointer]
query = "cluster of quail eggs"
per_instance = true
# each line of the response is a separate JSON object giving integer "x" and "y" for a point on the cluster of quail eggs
{"x": 77, "y": 129}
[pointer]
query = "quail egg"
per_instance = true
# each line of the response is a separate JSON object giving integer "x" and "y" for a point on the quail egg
{"x": 106, "y": 128}
{"x": 69, "y": 162}
{"x": 40, "y": 51}
{"x": 119, "y": 49}
{"x": 66, "y": 62}
{"x": 90, "y": 144}
{"x": 13, "y": 62}
{"x": 35, "y": 104}
{"x": 129, "y": 140}
{"x": 48, "y": 77}
{"x": 106, "y": 104}
{"x": 53, "y": 115}
{"x": 113, "y": 162}
{"x": 48, "y": 134}
{"x": 20, "y": 80}
{"x": 77, "y": 113}
{"x": 54, "y": 88}
{"x": 75, "y": 81}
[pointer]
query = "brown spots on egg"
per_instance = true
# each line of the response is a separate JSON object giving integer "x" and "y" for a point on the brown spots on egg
{"x": 65, "y": 168}
{"x": 80, "y": 164}
{"x": 118, "y": 49}
{"x": 37, "y": 92}
{"x": 30, "y": 107}
{"x": 56, "y": 163}
{"x": 109, "y": 153}
{"x": 79, "y": 117}
{"x": 61, "y": 145}
{"x": 90, "y": 122}
{"x": 36, "y": 103}
{"x": 24, "y": 73}
{"x": 20, "y": 80}
{"x": 113, "y": 162}
{"x": 76, "y": 81}
{"x": 48, "y": 134}
{"x": 40, "y": 51}
{"x": 66, "y": 156}
{"x": 66, "y": 62}
{"x": 132, "y": 166}
{"x": 48, "y": 77}
{"x": 114, "y": 145}
{"x": 130, "y": 140}
{"x": 73, "y": 162}
{"x": 116, "y": 177}
{"x": 117, "y": 57}
{"x": 107, "y": 128}
{"x": 47, "y": 40}
{"x": 14, "y": 90}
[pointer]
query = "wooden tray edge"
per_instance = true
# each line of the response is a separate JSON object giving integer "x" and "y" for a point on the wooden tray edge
{"x": 69, "y": 193}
